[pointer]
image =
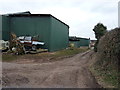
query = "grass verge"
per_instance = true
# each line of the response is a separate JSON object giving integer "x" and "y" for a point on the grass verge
{"x": 46, "y": 55}
{"x": 9, "y": 57}
{"x": 106, "y": 77}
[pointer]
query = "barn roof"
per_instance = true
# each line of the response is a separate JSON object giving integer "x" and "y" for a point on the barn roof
{"x": 74, "y": 38}
{"x": 28, "y": 14}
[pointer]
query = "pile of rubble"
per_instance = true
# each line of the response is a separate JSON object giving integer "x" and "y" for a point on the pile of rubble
{"x": 21, "y": 45}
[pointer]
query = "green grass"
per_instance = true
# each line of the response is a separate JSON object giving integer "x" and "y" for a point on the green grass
{"x": 9, "y": 57}
{"x": 107, "y": 77}
{"x": 70, "y": 52}
{"x": 45, "y": 55}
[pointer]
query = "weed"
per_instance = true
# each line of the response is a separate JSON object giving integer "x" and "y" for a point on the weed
{"x": 45, "y": 55}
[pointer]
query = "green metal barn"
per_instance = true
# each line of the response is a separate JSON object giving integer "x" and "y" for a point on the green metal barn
{"x": 79, "y": 42}
{"x": 51, "y": 30}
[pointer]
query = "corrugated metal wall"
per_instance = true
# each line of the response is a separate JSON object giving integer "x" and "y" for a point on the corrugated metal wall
{"x": 84, "y": 42}
{"x": 32, "y": 26}
{"x": 81, "y": 42}
{"x": 5, "y": 28}
{"x": 54, "y": 33}
{"x": 59, "y": 35}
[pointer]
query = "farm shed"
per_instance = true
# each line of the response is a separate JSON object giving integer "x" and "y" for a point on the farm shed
{"x": 78, "y": 41}
{"x": 53, "y": 32}
{"x": 74, "y": 41}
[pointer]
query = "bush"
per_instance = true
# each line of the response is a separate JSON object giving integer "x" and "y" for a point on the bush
{"x": 108, "y": 54}
{"x": 109, "y": 48}
{"x": 99, "y": 30}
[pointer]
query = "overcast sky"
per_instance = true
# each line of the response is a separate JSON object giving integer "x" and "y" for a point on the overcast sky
{"x": 80, "y": 15}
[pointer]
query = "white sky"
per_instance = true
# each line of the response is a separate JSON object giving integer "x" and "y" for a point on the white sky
{"x": 80, "y": 15}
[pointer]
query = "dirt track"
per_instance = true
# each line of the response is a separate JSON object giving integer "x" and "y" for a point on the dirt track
{"x": 67, "y": 73}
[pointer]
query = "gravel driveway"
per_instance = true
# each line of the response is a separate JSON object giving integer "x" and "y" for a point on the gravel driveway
{"x": 70, "y": 72}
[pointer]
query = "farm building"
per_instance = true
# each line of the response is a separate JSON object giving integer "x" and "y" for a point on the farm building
{"x": 53, "y": 32}
{"x": 79, "y": 42}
